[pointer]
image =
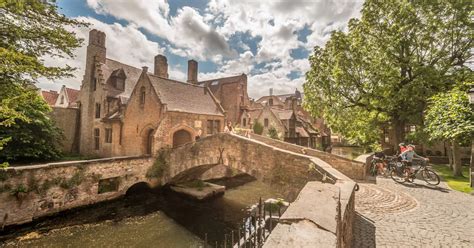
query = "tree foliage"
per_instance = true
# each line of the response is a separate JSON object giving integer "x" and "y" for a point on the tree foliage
{"x": 32, "y": 135}
{"x": 30, "y": 31}
{"x": 258, "y": 128}
{"x": 384, "y": 69}
{"x": 273, "y": 133}
{"x": 449, "y": 116}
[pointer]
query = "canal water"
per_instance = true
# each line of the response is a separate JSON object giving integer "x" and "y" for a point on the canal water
{"x": 146, "y": 218}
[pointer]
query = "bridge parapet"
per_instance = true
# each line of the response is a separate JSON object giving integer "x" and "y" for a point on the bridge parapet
{"x": 351, "y": 168}
{"x": 29, "y": 192}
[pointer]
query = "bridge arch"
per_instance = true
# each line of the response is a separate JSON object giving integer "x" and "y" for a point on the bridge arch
{"x": 137, "y": 188}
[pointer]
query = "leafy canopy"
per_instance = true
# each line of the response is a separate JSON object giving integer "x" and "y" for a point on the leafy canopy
{"x": 384, "y": 69}
{"x": 30, "y": 30}
{"x": 449, "y": 116}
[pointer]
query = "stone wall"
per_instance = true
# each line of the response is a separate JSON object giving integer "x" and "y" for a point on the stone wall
{"x": 67, "y": 119}
{"x": 29, "y": 192}
{"x": 352, "y": 169}
{"x": 287, "y": 170}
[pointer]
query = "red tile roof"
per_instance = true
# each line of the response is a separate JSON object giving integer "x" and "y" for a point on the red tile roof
{"x": 72, "y": 95}
{"x": 50, "y": 96}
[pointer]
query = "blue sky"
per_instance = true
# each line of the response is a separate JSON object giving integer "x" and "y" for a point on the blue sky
{"x": 270, "y": 41}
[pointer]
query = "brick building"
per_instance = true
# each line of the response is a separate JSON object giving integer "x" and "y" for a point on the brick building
{"x": 232, "y": 95}
{"x": 130, "y": 111}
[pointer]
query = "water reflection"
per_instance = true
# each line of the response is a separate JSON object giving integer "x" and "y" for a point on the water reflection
{"x": 149, "y": 218}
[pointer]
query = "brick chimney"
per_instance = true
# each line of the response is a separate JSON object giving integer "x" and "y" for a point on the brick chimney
{"x": 192, "y": 71}
{"x": 294, "y": 104}
{"x": 161, "y": 66}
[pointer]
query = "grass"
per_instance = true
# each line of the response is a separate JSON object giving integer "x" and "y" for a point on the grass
{"x": 460, "y": 183}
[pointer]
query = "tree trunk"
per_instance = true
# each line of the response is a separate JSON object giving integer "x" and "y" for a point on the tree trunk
{"x": 471, "y": 167}
{"x": 456, "y": 159}
{"x": 449, "y": 152}
{"x": 398, "y": 133}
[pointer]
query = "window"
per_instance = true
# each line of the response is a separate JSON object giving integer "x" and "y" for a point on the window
{"x": 265, "y": 122}
{"x": 209, "y": 127}
{"x": 217, "y": 125}
{"x": 62, "y": 100}
{"x": 119, "y": 83}
{"x": 213, "y": 126}
{"x": 142, "y": 95}
{"x": 244, "y": 122}
{"x": 270, "y": 101}
{"x": 96, "y": 138}
{"x": 97, "y": 110}
{"x": 108, "y": 135}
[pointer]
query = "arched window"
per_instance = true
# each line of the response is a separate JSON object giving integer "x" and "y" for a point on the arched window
{"x": 62, "y": 100}
{"x": 142, "y": 95}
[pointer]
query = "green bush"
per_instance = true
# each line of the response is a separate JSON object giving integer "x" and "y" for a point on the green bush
{"x": 258, "y": 128}
{"x": 159, "y": 167}
{"x": 272, "y": 133}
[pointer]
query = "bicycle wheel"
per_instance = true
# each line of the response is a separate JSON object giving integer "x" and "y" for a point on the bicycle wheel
{"x": 397, "y": 175}
{"x": 430, "y": 177}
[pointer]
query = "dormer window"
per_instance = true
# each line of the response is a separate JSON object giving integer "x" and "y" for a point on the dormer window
{"x": 118, "y": 79}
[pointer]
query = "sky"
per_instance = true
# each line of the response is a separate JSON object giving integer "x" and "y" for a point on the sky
{"x": 270, "y": 41}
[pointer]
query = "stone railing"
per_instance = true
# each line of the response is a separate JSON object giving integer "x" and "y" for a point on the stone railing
{"x": 351, "y": 168}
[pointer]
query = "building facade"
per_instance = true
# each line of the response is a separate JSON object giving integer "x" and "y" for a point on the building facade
{"x": 130, "y": 111}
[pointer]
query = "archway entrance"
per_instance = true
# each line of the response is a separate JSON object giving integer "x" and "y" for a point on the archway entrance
{"x": 181, "y": 137}
{"x": 149, "y": 141}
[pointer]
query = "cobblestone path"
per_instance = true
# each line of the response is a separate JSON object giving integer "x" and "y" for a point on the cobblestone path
{"x": 412, "y": 215}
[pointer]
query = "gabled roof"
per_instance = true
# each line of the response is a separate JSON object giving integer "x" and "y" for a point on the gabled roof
{"x": 224, "y": 80}
{"x": 72, "y": 95}
{"x": 131, "y": 73}
{"x": 50, "y": 96}
{"x": 185, "y": 97}
{"x": 283, "y": 114}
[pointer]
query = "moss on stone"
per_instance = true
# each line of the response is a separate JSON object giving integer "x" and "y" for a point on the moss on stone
{"x": 157, "y": 170}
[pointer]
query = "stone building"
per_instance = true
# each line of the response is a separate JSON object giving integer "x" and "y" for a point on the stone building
{"x": 286, "y": 114}
{"x": 130, "y": 111}
{"x": 65, "y": 113}
{"x": 232, "y": 95}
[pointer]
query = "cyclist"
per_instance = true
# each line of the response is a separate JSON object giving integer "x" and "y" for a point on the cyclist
{"x": 403, "y": 147}
{"x": 408, "y": 155}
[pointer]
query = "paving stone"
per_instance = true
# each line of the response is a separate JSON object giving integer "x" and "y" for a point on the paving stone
{"x": 412, "y": 215}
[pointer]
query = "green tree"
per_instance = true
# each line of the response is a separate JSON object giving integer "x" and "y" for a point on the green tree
{"x": 258, "y": 128}
{"x": 450, "y": 118}
{"x": 391, "y": 60}
{"x": 272, "y": 133}
{"x": 30, "y": 30}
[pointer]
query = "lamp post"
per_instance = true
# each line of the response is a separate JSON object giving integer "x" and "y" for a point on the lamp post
{"x": 471, "y": 167}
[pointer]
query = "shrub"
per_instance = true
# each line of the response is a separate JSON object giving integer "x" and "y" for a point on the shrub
{"x": 272, "y": 133}
{"x": 158, "y": 168}
{"x": 258, "y": 128}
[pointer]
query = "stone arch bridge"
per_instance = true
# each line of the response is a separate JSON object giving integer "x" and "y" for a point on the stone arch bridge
{"x": 30, "y": 192}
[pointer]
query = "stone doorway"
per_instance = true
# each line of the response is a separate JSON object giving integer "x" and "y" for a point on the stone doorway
{"x": 181, "y": 137}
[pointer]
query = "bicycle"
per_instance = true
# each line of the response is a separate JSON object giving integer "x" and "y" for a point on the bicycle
{"x": 402, "y": 172}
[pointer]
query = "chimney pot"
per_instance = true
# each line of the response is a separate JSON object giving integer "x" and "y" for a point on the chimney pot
{"x": 145, "y": 69}
{"x": 192, "y": 71}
